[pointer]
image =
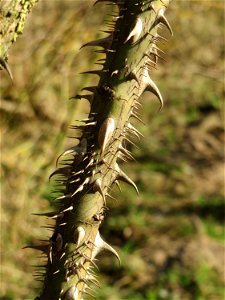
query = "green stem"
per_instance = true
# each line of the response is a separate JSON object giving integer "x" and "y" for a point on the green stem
{"x": 93, "y": 167}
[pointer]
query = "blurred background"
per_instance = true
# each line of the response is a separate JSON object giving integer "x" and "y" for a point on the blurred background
{"x": 171, "y": 237}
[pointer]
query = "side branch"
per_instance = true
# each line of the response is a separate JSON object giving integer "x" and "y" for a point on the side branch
{"x": 13, "y": 15}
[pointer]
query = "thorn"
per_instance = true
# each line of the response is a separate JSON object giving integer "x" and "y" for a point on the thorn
{"x": 71, "y": 151}
{"x": 104, "y": 43}
{"x": 102, "y": 60}
{"x": 93, "y": 280}
{"x": 158, "y": 49}
{"x": 89, "y": 294}
{"x": 95, "y": 72}
{"x": 88, "y": 97}
{"x": 132, "y": 76}
{"x": 67, "y": 209}
{"x": 105, "y": 133}
{"x": 162, "y": 19}
{"x": 122, "y": 157}
{"x": 52, "y": 215}
{"x": 160, "y": 38}
{"x": 156, "y": 55}
{"x": 39, "y": 266}
{"x": 123, "y": 177}
{"x": 152, "y": 87}
{"x": 131, "y": 127}
{"x": 49, "y": 214}
{"x": 88, "y": 259}
{"x": 81, "y": 187}
{"x": 63, "y": 254}
{"x": 6, "y": 66}
{"x": 136, "y": 117}
{"x": 64, "y": 171}
{"x": 81, "y": 149}
{"x": 91, "y": 89}
{"x": 125, "y": 152}
{"x": 42, "y": 248}
{"x": 100, "y": 244}
{"x": 118, "y": 185}
{"x": 97, "y": 187}
{"x": 98, "y": 1}
{"x": 136, "y": 31}
{"x": 91, "y": 162}
{"x": 129, "y": 141}
{"x": 63, "y": 197}
{"x": 114, "y": 73}
{"x": 79, "y": 235}
{"x": 110, "y": 196}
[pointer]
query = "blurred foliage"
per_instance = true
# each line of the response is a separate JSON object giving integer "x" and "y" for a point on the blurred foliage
{"x": 171, "y": 237}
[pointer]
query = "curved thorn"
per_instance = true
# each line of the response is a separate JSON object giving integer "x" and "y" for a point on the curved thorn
{"x": 152, "y": 87}
{"x": 123, "y": 177}
{"x": 79, "y": 235}
{"x": 125, "y": 152}
{"x": 91, "y": 89}
{"x": 88, "y": 97}
{"x": 162, "y": 19}
{"x": 105, "y": 133}
{"x": 97, "y": 187}
{"x": 135, "y": 32}
{"x": 131, "y": 127}
{"x": 104, "y": 43}
{"x": 100, "y": 244}
{"x": 118, "y": 185}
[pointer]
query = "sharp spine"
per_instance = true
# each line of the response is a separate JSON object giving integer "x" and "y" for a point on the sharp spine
{"x": 81, "y": 187}
{"x": 97, "y": 187}
{"x": 134, "y": 130}
{"x": 162, "y": 19}
{"x": 118, "y": 185}
{"x": 104, "y": 43}
{"x": 95, "y": 72}
{"x": 125, "y": 152}
{"x": 132, "y": 76}
{"x": 81, "y": 148}
{"x": 91, "y": 89}
{"x": 79, "y": 235}
{"x": 51, "y": 214}
{"x": 105, "y": 133}
{"x": 152, "y": 87}
{"x": 100, "y": 244}
{"x": 88, "y": 97}
{"x": 135, "y": 32}
{"x": 42, "y": 248}
{"x": 123, "y": 177}
{"x": 67, "y": 209}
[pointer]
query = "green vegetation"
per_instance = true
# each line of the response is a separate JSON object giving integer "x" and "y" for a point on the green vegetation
{"x": 171, "y": 237}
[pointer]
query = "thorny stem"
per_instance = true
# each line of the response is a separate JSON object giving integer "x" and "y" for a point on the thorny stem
{"x": 87, "y": 177}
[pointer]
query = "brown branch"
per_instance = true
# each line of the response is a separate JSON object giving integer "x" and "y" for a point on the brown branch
{"x": 13, "y": 15}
